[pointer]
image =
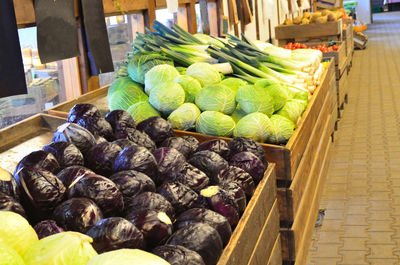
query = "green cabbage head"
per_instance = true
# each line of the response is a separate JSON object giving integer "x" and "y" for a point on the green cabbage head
{"x": 278, "y": 91}
{"x": 252, "y": 98}
{"x": 184, "y": 117}
{"x": 141, "y": 62}
{"x": 66, "y": 248}
{"x": 124, "y": 98}
{"x": 167, "y": 97}
{"x": 238, "y": 114}
{"x": 234, "y": 83}
{"x": 127, "y": 257}
{"x": 9, "y": 256}
{"x": 293, "y": 109}
{"x": 158, "y": 75}
{"x": 216, "y": 97}
{"x": 256, "y": 126}
{"x": 190, "y": 85}
{"x": 205, "y": 73}
{"x": 215, "y": 123}
{"x": 281, "y": 129}
{"x": 121, "y": 83}
{"x": 16, "y": 232}
{"x": 141, "y": 111}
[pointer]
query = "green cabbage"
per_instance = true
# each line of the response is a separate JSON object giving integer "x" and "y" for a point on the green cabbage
{"x": 184, "y": 117}
{"x": 293, "y": 109}
{"x": 234, "y": 83}
{"x": 302, "y": 96}
{"x": 181, "y": 70}
{"x": 141, "y": 111}
{"x": 256, "y": 126}
{"x": 252, "y": 98}
{"x": 215, "y": 123}
{"x": 190, "y": 85}
{"x": 66, "y": 248}
{"x": 158, "y": 75}
{"x": 124, "y": 98}
{"x": 281, "y": 129}
{"x": 141, "y": 62}
{"x": 121, "y": 83}
{"x": 167, "y": 97}
{"x": 16, "y": 232}
{"x": 217, "y": 98}
{"x": 127, "y": 257}
{"x": 238, "y": 114}
{"x": 205, "y": 73}
{"x": 9, "y": 256}
{"x": 278, "y": 91}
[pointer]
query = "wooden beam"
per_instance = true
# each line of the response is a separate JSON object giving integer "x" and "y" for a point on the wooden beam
{"x": 212, "y": 10}
{"x": 150, "y": 13}
{"x": 191, "y": 15}
{"x": 181, "y": 18}
{"x": 71, "y": 78}
{"x": 205, "y": 22}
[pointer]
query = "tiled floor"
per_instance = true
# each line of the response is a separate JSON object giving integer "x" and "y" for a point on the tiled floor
{"x": 362, "y": 193}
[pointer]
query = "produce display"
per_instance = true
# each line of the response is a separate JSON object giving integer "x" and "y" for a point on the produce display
{"x": 323, "y": 47}
{"x": 318, "y": 17}
{"x": 222, "y": 87}
{"x": 132, "y": 194}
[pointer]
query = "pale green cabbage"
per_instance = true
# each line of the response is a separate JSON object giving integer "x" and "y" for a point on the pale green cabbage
{"x": 141, "y": 62}
{"x": 238, "y": 114}
{"x": 252, "y": 98}
{"x": 158, "y": 76}
{"x": 216, "y": 97}
{"x": 184, "y": 117}
{"x": 16, "y": 232}
{"x": 293, "y": 109}
{"x": 127, "y": 257}
{"x": 281, "y": 129}
{"x": 124, "y": 98}
{"x": 190, "y": 85}
{"x": 9, "y": 256}
{"x": 167, "y": 97}
{"x": 66, "y": 248}
{"x": 215, "y": 123}
{"x": 278, "y": 91}
{"x": 205, "y": 73}
{"x": 234, "y": 83}
{"x": 256, "y": 126}
{"x": 141, "y": 111}
{"x": 121, "y": 83}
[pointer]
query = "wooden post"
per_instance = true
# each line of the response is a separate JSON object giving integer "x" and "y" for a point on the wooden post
{"x": 181, "y": 18}
{"x": 150, "y": 14}
{"x": 205, "y": 23}
{"x": 191, "y": 15}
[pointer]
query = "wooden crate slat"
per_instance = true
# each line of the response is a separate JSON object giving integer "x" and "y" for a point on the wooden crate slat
{"x": 305, "y": 219}
{"x": 276, "y": 255}
{"x": 308, "y": 30}
{"x": 264, "y": 245}
{"x": 243, "y": 239}
{"x": 298, "y": 187}
{"x": 342, "y": 88}
{"x": 301, "y": 257}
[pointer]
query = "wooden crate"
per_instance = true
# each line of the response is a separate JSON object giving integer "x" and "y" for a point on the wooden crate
{"x": 97, "y": 97}
{"x": 296, "y": 240}
{"x": 252, "y": 242}
{"x": 290, "y": 198}
{"x": 308, "y": 31}
{"x": 342, "y": 90}
{"x": 285, "y": 157}
{"x": 29, "y": 135}
{"x": 347, "y": 35}
{"x": 276, "y": 255}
